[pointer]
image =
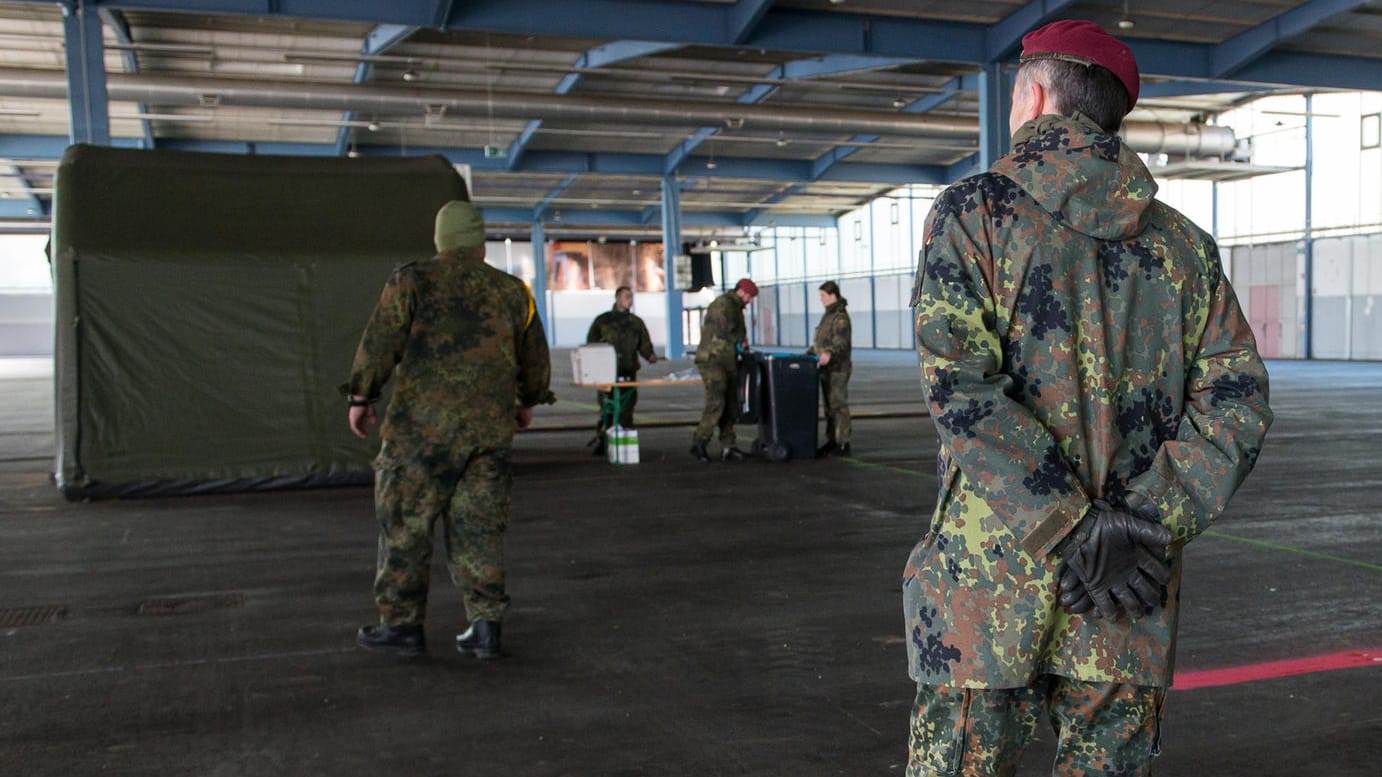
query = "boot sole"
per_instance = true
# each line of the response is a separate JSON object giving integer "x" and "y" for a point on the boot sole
{"x": 404, "y": 652}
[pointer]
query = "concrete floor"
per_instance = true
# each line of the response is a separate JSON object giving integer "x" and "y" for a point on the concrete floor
{"x": 669, "y": 618}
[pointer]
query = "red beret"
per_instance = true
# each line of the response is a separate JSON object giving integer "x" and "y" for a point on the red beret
{"x": 747, "y": 285}
{"x": 1084, "y": 43}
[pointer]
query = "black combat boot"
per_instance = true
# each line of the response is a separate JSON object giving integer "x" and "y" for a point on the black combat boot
{"x": 481, "y": 639}
{"x": 404, "y": 640}
{"x": 843, "y": 450}
{"x": 698, "y": 450}
{"x": 601, "y": 445}
{"x": 732, "y": 454}
{"x": 827, "y": 449}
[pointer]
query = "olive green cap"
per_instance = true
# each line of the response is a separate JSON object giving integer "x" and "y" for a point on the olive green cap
{"x": 459, "y": 225}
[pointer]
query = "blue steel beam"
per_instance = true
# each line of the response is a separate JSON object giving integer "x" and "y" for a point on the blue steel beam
{"x": 88, "y": 105}
{"x": 378, "y": 41}
{"x": 594, "y": 219}
{"x": 1251, "y": 45}
{"x": 50, "y": 147}
{"x": 121, "y": 29}
{"x": 744, "y": 17}
{"x": 967, "y": 82}
{"x": 790, "y": 71}
{"x": 541, "y": 207}
{"x": 1192, "y": 88}
{"x": 781, "y": 29}
{"x": 600, "y": 56}
{"x": 1002, "y": 39}
{"x": 995, "y": 103}
{"x": 441, "y": 11}
{"x": 30, "y": 202}
{"x": 671, "y": 248}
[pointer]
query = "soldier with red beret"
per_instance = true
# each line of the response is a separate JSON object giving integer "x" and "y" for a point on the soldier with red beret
{"x": 723, "y": 335}
{"x": 1098, "y": 398}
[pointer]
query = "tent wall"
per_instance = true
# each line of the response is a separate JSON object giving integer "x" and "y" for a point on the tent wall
{"x": 208, "y": 306}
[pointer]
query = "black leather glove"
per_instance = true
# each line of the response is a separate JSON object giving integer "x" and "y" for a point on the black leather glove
{"x": 1114, "y": 556}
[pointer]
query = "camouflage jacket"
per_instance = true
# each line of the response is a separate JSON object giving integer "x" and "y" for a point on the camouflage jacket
{"x": 1077, "y": 340}
{"x": 833, "y": 335}
{"x": 722, "y": 329}
{"x": 466, "y": 343}
{"x": 627, "y": 333}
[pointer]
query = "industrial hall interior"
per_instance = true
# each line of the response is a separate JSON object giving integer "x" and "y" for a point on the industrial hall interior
{"x": 677, "y": 388}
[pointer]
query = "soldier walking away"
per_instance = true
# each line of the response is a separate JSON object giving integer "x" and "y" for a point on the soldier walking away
{"x": 1098, "y": 397}
{"x": 831, "y": 346}
{"x": 629, "y": 335}
{"x": 471, "y": 360}
{"x": 723, "y": 336}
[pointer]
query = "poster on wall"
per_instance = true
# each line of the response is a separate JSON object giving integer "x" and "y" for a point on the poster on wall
{"x": 580, "y": 265}
{"x": 650, "y": 273}
{"x": 612, "y": 264}
{"x": 569, "y": 269}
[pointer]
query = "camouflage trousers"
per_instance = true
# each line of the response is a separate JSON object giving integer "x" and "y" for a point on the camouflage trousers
{"x": 721, "y": 404}
{"x": 835, "y": 392}
{"x": 469, "y": 490}
{"x": 1101, "y": 728}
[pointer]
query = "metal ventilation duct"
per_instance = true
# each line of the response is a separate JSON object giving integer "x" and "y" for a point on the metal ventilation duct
{"x": 163, "y": 90}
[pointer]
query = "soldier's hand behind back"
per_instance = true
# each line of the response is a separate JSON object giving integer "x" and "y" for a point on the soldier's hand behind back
{"x": 360, "y": 419}
{"x": 1114, "y": 557}
{"x": 523, "y": 416}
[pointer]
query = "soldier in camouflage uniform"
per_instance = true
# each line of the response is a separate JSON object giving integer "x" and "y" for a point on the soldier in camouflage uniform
{"x": 723, "y": 336}
{"x": 629, "y": 335}
{"x": 1098, "y": 397}
{"x": 831, "y": 346}
{"x": 471, "y": 361}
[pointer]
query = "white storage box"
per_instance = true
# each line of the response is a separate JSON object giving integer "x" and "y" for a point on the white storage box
{"x": 594, "y": 363}
{"x": 621, "y": 445}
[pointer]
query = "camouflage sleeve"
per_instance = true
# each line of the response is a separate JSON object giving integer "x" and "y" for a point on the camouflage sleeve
{"x": 645, "y": 341}
{"x": 534, "y": 361}
{"x": 592, "y": 335}
{"x": 386, "y": 335}
{"x": 840, "y": 335}
{"x": 1011, "y": 458}
{"x": 1221, "y": 431}
{"x": 817, "y": 344}
{"x": 717, "y": 324}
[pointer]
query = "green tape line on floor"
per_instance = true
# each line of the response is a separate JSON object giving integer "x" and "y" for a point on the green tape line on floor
{"x": 1297, "y": 551}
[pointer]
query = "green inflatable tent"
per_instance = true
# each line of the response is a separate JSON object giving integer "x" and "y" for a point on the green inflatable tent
{"x": 208, "y": 305}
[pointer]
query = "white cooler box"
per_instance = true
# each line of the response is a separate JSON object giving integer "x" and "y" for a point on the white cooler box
{"x": 594, "y": 363}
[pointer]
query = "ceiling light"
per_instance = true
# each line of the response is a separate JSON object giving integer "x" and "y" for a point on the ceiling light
{"x": 781, "y": 139}
{"x": 711, "y": 165}
{"x": 410, "y": 75}
{"x": 353, "y": 154}
{"x": 1125, "y": 22}
{"x": 372, "y": 126}
{"x": 900, "y": 102}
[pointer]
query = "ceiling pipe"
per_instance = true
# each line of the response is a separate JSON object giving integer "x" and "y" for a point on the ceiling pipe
{"x": 164, "y": 90}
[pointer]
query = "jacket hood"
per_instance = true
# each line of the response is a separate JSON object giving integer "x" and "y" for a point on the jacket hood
{"x": 1087, "y": 179}
{"x": 840, "y": 303}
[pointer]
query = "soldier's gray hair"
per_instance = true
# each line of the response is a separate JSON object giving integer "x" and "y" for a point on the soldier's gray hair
{"x": 1090, "y": 89}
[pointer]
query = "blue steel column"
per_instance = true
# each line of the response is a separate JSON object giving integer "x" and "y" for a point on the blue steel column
{"x": 995, "y": 104}
{"x": 1309, "y": 328}
{"x": 539, "y": 237}
{"x": 86, "y": 74}
{"x": 671, "y": 246}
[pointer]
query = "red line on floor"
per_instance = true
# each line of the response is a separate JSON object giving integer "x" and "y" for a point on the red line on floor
{"x": 1188, "y": 681}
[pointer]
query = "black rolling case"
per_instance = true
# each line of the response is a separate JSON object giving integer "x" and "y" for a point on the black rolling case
{"x": 786, "y": 407}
